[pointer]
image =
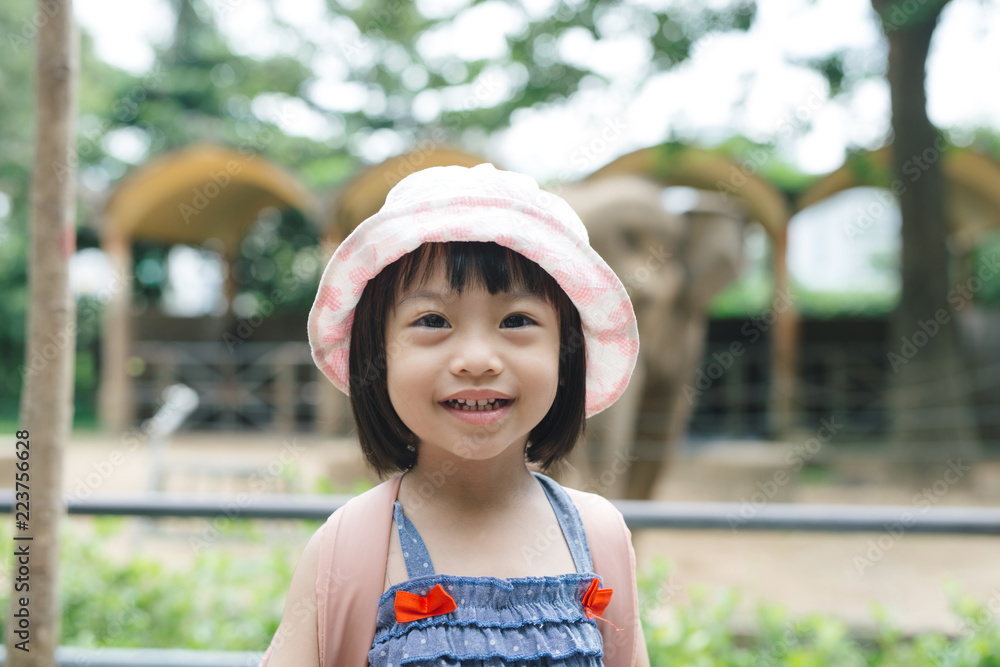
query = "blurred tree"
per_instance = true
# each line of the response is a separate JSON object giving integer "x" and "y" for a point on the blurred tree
{"x": 47, "y": 400}
{"x": 931, "y": 417}
{"x": 422, "y": 91}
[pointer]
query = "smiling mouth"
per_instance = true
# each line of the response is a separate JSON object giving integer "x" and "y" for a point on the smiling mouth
{"x": 482, "y": 405}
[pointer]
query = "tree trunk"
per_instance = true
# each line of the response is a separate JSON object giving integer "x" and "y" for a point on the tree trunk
{"x": 931, "y": 420}
{"x": 47, "y": 394}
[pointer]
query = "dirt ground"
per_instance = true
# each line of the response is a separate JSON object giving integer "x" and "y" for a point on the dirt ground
{"x": 839, "y": 574}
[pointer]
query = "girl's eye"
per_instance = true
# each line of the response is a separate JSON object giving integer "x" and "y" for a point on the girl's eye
{"x": 516, "y": 321}
{"x": 432, "y": 321}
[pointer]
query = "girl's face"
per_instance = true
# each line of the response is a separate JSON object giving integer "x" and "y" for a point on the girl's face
{"x": 445, "y": 348}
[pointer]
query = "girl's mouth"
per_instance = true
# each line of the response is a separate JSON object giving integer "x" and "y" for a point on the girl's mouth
{"x": 472, "y": 405}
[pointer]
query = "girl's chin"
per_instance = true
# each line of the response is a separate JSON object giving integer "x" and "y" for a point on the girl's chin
{"x": 470, "y": 452}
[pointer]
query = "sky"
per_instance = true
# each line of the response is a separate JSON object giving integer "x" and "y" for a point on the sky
{"x": 697, "y": 98}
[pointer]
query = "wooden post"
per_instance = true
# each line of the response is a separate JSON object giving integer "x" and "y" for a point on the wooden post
{"x": 784, "y": 342}
{"x": 284, "y": 365}
{"x": 47, "y": 394}
{"x": 116, "y": 405}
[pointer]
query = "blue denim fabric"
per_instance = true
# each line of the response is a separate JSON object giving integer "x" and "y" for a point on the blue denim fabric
{"x": 524, "y": 622}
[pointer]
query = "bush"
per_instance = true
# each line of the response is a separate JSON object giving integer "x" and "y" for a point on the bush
{"x": 701, "y": 634}
{"x": 222, "y": 601}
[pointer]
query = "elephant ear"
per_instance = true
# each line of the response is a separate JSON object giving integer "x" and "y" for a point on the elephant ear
{"x": 714, "y": 249}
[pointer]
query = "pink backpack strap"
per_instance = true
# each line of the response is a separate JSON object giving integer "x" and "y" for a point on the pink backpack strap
{"x": 354, "y": 551}
{"x": 614, "y": 559}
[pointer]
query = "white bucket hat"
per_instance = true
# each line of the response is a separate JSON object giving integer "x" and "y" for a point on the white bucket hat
{"x": 443, "y": 204}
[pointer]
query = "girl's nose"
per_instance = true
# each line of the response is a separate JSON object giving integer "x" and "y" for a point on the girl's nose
{"x": 476, "y": 354}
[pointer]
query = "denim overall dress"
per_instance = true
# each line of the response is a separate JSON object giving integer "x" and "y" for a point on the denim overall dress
{"x": 521, "y": 622}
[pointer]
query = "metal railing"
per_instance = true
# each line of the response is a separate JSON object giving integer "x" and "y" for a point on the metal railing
{"x": 68, "y": 656}
{"x": 639, "y": 514}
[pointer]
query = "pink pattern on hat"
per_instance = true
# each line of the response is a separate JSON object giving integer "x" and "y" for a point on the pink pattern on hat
{"x": 507, "y": 241}
{"x": 359, "y": 276}
{"x": 328, "y": 297}
{"x": 339, "y": 364}
{"x": 443, "y": 204}
{"x": 340, "y": 330}
{"x": 575, "y": 282}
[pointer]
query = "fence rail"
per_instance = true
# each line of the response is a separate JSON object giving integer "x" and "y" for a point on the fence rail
{"x": 69, "y": 656}
{"x": 639, "y": 514}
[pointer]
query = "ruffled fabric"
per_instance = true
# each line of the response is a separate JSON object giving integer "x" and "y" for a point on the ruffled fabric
{"x": 526, "y": 621}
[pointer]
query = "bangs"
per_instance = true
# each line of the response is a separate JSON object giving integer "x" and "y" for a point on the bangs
{"x": 483, "y": 265}
{"x": 385, "y": 440}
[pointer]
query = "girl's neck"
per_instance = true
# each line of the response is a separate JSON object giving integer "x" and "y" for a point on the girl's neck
{"x": 466, "y": 486}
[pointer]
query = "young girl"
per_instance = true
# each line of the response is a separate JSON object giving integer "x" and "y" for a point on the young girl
{"x": 474, "y": 329}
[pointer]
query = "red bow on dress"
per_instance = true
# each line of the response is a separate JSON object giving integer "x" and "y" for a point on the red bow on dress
{"x": 596, "y": 600}
{"x": 410, "y": 606}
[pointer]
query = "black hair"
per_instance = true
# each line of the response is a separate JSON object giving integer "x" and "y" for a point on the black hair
{"x": 387, "y": 444}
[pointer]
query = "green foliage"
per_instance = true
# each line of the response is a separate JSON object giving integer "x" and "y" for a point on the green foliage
{"x": 982, "y": 264}
{"x": 279, "y": 264}
{"x": 221, "y": 601}
{"x": 753, "y": 295}
{"x": 327, "y": 486}
{"x": 841, "y": 304}
{"x": 748, "y": 296}
{"x": 701, "y": 633}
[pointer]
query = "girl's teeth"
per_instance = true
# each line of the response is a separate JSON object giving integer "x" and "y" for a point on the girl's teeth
{"x": 472, "y": 405}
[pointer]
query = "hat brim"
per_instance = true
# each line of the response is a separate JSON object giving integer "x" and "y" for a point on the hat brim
{"x": 611, "y": 337}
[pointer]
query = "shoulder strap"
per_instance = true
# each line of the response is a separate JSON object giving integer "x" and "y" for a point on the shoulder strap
{"x": 614, "y": 559}
{"x": 354, "y": 550}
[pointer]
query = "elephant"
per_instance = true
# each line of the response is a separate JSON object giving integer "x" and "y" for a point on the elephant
{"x": 671, "y": 266}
